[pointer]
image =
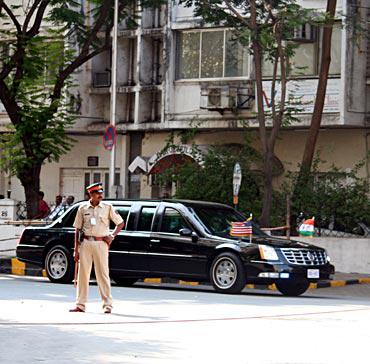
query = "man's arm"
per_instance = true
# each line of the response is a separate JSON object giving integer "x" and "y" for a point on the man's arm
{"x": 108, "y": 239}
{"x": 77, "y": 246}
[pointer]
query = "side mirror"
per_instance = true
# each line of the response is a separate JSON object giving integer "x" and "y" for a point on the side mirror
{"x": 185, "y": 232}
{"x": 190, "y": 233}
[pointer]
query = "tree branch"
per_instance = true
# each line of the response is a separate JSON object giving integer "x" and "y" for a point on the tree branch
{"x": 84, "y": 54}
{"x": 11, "y": 16}
{"x": 237, "y": 14}
{"x": 38, "y": 19}
{"x": 9, "y": 103}
{"x": 29, "y": 15}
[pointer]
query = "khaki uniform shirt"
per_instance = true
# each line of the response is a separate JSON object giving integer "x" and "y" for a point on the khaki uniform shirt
{"x": 101, "y": 215}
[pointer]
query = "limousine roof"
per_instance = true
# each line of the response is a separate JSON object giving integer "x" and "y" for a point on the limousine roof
{"x": 192, "y": 203}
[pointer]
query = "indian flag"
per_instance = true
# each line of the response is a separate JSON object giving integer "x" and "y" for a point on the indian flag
{"x": 307, "y": 228}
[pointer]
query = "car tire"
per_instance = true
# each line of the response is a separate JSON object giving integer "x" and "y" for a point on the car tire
{"x": 124, "y": 281}
{"x": 293, "y": 288}
{"x": 59, "y": 265}
{"x": 227, "y": 273}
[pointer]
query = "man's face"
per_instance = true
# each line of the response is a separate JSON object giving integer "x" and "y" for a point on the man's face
{"x": 96, "y": 196}
{"x": 70, "y": 200}
{"x": 58, "y": 200}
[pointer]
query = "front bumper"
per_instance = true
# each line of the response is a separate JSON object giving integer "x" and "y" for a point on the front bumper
{"x": 278, "y": 271}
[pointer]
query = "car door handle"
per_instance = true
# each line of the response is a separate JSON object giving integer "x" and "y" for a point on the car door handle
{"x": 155, "y": 241}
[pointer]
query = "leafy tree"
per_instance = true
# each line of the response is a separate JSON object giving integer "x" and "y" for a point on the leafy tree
{"x": 345, "y": 194}
{"x": 210, "y": 177}
{"x": 266, "y": 27}
{"x": 309, "y": 149}
{"x": 44, "y": 43}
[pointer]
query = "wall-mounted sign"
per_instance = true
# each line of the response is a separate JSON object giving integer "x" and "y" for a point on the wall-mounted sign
{"x": 92, "y": 161}
{"x": 302, "y": 94}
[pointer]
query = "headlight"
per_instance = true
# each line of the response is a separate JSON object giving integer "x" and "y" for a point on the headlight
{"x": 268, "y": 252}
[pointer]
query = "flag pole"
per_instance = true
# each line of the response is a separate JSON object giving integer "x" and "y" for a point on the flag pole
{"x": 250, "y": 236}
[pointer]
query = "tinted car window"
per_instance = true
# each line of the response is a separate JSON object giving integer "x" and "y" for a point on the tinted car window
{"x": 172, "y": 221}
{"x": 123, "y": 211}
{"x": 218, "y": 220}
{"x": 146, "y": 218}
{"x": 70, "y": 218}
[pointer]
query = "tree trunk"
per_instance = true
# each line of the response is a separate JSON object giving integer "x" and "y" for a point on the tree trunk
{"x": 30, "y": 179}
{"x": 311, "y": 141}
{"x": 267, "y": 190}
{"x": 267, "y": 167}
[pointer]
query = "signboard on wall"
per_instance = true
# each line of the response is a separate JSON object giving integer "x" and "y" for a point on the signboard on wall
{"x": 304, "y": 92}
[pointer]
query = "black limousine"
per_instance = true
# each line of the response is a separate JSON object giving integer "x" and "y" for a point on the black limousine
{"x": 188, "y": 240}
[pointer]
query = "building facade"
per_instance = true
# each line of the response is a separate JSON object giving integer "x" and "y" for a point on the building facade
{"x": 176, "y": 73}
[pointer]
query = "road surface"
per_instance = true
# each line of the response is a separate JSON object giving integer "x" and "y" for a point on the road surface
{"x": 182, "y": 325}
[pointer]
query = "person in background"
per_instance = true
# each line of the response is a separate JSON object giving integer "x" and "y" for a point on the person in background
{"x": 69, "y": 202}
{"x": 43, "y": 209}
{"x": 57, "y": 209}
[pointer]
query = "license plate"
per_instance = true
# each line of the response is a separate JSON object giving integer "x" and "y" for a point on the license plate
{"x": 313, "y": 273}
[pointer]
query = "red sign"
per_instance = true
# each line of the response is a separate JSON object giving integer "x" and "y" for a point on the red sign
{"x": 109, "y": 137}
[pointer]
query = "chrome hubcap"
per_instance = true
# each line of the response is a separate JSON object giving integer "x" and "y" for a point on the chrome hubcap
{"x": 225, "y": 273}
{"x": 57, "y": 264}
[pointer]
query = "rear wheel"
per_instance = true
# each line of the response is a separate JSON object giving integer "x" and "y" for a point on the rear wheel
{"x": 124, "y": 281}
{"x": 293, "y": 288}
{"x": 59, "y": 265}
{"x": 227, "y": 273}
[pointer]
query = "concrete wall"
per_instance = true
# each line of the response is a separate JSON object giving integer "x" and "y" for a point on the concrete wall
{"x": 347, "y": 255}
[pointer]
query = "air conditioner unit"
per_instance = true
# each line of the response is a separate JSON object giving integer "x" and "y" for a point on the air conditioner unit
{"x": 101, "y": 79}
{"x": 304, "y": 33}
{"x": 216, "y": 97}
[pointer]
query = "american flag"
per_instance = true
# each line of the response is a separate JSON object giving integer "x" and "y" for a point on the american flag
{"x": 241, "y": 228}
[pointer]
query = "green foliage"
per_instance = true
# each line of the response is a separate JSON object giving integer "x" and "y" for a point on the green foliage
{"x": 338, "y": 199}
{"x": 36, "y": 69}
{"x": 210, "y": 179}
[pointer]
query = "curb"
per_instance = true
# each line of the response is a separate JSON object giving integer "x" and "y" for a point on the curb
{"x": 16, "y": 267}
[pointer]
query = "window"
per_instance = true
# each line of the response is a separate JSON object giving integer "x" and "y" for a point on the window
{"x": 306, "y": 60}
{"x": 218, "y": 220}
{"x": 172, "y": 221}
{"x": 70, "y": 218}
{"x": 123, "y": 211}
{"x": 146, "y": 218}
{"x": 210, "y": 54}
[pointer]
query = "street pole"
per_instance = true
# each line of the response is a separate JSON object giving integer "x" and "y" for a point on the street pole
{"x": 113, "y": 98}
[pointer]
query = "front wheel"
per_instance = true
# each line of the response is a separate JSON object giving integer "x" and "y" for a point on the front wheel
{"x": 227, "y": 273}
{"x": 292, "y": 288}
{"x": 59, "y": 265}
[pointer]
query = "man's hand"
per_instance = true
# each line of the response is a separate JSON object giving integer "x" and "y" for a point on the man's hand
{"x": 76, "y": 256}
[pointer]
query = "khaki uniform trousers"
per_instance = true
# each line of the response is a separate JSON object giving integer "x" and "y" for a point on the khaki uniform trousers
{"x": 93, "y": 252}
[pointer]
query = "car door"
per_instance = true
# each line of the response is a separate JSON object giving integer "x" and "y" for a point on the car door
{"x": 171, "y": 253}
{"x": 129, "y": 250}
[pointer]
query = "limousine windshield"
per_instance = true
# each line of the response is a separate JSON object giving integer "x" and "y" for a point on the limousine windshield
{"x": 218, "y": 220}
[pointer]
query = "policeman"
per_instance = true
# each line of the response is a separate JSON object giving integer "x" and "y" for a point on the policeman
{"x": 92, "y": 241}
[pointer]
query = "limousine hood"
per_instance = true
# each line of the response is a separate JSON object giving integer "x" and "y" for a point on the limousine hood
{"x": 283, "y": 243}
{"x": 278, "y": 242}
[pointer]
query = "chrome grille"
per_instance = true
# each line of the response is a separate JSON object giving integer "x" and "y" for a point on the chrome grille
{"x": 304, "y": 256}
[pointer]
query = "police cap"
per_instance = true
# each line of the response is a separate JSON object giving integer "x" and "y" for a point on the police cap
{"x": 95, "y": 187}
